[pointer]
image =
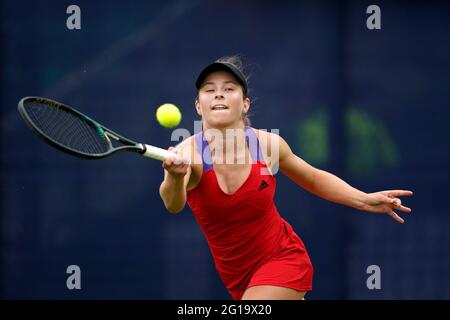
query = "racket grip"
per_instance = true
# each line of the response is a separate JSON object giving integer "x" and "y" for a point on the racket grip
{"x": 157, "y": 153}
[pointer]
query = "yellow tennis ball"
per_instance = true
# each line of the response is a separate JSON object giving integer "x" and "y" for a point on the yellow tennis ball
{"x": 168, "y": 115}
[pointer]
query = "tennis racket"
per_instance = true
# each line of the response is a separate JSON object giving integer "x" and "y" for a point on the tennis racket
{"x": 70, "y": 131}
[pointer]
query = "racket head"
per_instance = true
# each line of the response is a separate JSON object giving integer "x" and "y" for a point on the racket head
{"x": 67, "y": 129}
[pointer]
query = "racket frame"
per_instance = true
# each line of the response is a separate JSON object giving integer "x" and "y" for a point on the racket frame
{"x": 129, "y": 145}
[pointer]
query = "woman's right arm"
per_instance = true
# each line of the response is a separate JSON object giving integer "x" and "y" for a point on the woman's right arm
{"x": 177, "y": 172}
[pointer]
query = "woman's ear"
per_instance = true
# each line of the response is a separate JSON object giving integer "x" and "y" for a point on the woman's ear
{"x": 246, "y": 104}
{"x": 197, "y": 107}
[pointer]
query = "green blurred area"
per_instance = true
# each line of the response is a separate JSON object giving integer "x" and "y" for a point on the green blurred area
{"x": 370, "y": 147}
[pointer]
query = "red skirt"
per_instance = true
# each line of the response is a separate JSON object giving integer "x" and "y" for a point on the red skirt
{"x": 289, "y": 267}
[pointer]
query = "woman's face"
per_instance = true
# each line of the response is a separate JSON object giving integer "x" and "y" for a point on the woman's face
{"x": 221, "y": 101}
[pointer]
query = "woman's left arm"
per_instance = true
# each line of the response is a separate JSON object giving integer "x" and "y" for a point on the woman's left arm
{"x": 332, "y": 188}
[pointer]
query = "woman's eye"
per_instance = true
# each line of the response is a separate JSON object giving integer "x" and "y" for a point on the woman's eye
{"x": 229, "y": 89}
{"x": 210, "y": 90}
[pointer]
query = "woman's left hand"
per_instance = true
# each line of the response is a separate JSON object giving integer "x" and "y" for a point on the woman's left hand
{"x": 386, "y": 202}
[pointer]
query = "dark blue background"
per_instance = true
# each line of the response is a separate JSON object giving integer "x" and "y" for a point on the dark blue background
{"x": 369, "y": 106}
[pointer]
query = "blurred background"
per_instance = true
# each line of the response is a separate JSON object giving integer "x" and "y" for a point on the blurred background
{"x": 371, "y": 106}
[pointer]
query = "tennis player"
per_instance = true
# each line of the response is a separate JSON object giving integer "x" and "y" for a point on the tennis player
{"x": 227, "y": 181}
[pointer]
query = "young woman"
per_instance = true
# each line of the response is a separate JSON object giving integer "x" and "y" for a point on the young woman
{"x": 224, "y": 173}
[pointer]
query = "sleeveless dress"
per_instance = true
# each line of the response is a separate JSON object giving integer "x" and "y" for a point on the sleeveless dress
{"x": 250, "y": 242}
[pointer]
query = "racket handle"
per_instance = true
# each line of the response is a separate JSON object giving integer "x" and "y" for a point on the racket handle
{"x": 157, "y": 153}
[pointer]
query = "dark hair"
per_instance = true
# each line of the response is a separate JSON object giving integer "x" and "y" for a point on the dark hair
{"x": 237, "y": 63}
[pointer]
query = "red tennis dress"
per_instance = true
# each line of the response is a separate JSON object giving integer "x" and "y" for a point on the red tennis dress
{"x": 250, "y": 243}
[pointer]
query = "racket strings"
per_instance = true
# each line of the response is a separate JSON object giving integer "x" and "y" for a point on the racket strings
{"x": 66, "y": 128}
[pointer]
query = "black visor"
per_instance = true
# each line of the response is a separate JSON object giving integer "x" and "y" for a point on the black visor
{"x": 221, "y": 66}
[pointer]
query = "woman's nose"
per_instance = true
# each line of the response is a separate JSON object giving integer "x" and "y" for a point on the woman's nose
{"x": 219, "y": 95}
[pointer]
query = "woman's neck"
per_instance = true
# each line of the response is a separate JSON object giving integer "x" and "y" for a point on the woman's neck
{"x": 224, "y": 133}
{"x": 227, "y": 143}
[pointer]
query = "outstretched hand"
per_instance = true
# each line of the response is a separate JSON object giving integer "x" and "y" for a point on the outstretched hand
{"x": 386, "y": 202}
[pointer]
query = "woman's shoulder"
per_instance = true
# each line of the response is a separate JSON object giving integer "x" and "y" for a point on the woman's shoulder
{"x": 268, "y": 138}
{"x": 269, "y": 143}
{"x": 265, "y": 132}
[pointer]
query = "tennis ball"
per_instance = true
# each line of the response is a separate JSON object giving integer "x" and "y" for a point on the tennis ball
{"x": 168, "y": 115}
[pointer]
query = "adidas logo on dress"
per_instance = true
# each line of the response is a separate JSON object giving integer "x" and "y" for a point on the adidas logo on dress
{"x": 263, "y": 185}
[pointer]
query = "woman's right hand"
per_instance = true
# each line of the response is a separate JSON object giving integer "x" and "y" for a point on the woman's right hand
{"x": 176, "y": 167}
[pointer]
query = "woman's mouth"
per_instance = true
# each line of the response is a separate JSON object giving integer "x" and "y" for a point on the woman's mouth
{"x": 219, "y": 107}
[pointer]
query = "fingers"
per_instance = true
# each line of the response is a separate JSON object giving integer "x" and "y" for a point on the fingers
{"x": 397, "y": 204}
{"x": 175, "y": 162}
{"x": 395, "y": 216}
{"x": 404, "y": 209}
{"x": 387, "y": 201}
{"x": 180, "y": 159}
{"x": 399, "y": 193}
{"x": 167, "y": 163}
{"x": 172, "y": 160}
{"x": 176, "y": 166}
